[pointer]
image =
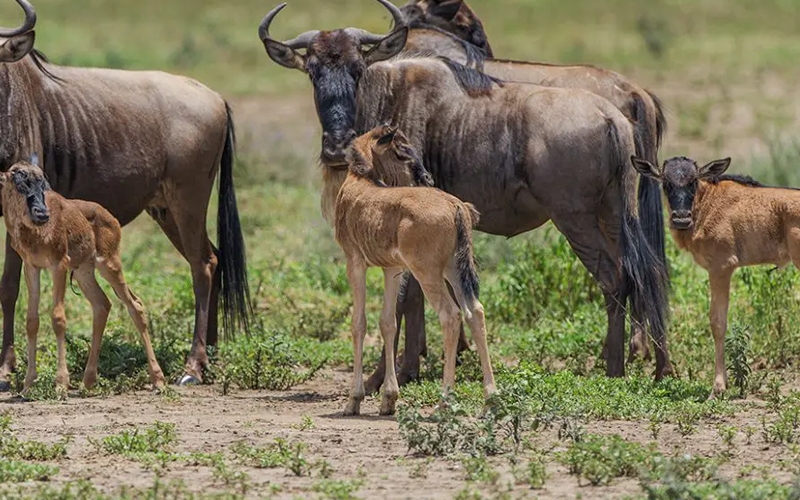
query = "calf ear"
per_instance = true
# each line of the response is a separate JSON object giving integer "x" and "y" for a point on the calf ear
{"x": 17, "y": 47}
{"x": 714, "y": 169}
{"x": 34, "y": 160}
{"x": 387, "y": 138}
{"x": 645, "y": 168}
{"x": 446, "y": 9}
{"x": 285, "y": 55}
{"x": 390, "y": 46}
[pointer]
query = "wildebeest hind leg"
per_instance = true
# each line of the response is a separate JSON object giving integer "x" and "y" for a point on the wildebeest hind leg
{"x": 591, "y": 246}
{"x": 9, "y": 291}
{"x": 185, "y": 209}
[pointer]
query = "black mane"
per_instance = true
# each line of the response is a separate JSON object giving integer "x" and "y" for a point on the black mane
{"x": 744, "y": 180}
{"x": 474, "y": 82}
{"x": 476, "y": 56}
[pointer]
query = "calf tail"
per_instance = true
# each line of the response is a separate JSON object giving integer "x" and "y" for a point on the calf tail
{"x": 468, "y": 281}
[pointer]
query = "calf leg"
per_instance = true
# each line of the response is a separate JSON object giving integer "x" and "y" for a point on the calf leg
{"x": 9, "y": 291}
{"x": 59, "y": 319}
{"x": 435, "y": 290}
{"x": 720, "y": 281}
{"x": 388, "y": 324}
{"x": 100, "y": 309}
{"x": 357, "y": 275}
{"x": 32, "y": 279}
{"x": 410, "y": 305}
{"x": 111, "y": 271}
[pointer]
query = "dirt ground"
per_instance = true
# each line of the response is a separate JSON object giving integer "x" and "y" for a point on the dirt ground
{"x": 368, "y": 447}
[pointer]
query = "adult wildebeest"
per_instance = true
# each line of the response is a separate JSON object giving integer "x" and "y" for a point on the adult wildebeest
{"x": 726, "y": 222}
{"x": 432, "y": 20}
{"x": 420, "y": 229}
{"x": 130, "y": 141}
{"x": 522, "y": 154}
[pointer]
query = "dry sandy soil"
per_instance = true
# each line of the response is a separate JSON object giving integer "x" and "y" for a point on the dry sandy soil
{"x": 368, "y": 447}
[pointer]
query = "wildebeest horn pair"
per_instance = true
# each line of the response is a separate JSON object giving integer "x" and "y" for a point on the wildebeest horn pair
{"x": 27, "y": 25}
{"x": 302, "y": 41}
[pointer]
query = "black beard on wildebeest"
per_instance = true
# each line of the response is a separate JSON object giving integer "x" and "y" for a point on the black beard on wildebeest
{"x": 522, "y": 155}
{"x": 130, "y": 141}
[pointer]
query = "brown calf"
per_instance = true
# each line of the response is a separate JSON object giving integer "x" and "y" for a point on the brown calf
{"x": 424, "y": 230}
{"x": 727, "y": 222}
{"x": 50, "y": 232}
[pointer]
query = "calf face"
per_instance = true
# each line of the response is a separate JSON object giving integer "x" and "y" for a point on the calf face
{"x": 28, "y": 180}
{"x": 679, "y": 178}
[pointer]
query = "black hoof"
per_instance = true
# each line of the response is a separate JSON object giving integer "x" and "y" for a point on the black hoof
{"x": 5, "y": 386}
{"x": 189, "y": 380}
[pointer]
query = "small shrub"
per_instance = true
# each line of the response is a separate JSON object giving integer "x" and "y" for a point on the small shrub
{"x": 338, "y": 490}
{"x": 599, "y": 459}
{"x": 155, "y": 438}
{"x": 16, "y": 471}
{"x": 279, "y": 454}
{"x": 737, "y": 345}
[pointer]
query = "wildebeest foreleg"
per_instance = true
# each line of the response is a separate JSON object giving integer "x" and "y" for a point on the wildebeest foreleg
{"x": 388, "y": 325}
{"x": 32, "y": 279}
{"x": 9, "y": 291}
{"x": 357, "y": 275}
{"x": 720, "y": 282}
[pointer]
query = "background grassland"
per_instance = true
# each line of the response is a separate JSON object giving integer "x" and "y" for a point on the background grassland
{"x": 727, "y": 71}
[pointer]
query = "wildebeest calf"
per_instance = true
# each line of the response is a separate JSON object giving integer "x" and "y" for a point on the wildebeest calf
{"x": 727, "y": 222}
{"x": 51, "y": 232}
{"x": 424, "y": 230}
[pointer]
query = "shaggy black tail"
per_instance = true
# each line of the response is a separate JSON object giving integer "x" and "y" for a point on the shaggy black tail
{"x": 235, "y": 294}
{"x": 651, "y": 209}
{"x": 644, "y": 274}
{"x": 465, "y": 260}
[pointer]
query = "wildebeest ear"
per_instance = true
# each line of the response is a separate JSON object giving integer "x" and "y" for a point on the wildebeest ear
{"x": 714, "y": 169}
{"x": 285, "y": 55}
{"x": 390, "y": 46}
{"x": 645, "y": 168}
{"x": 446, "y": 9}
{"x": 17, "y": 47}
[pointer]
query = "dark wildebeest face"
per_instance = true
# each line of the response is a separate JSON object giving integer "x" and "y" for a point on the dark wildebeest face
{"x": 29, "y": 181}
{"x": 452, "y": 16}
{"x": 17, "y": 43}
{"x": 679, "y": 178}
{"x": 335, "y": 62}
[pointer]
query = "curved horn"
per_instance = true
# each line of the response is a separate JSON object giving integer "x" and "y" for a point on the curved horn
{"x": 300, "y": 42}
{"x": 365, "y": 37}
{"x": 397, "y": 15}
{"x": 27, "y": 25}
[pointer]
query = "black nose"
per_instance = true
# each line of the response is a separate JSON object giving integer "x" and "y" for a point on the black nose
{"x": 40, "y": 215}
{"x": 681, "y": 214}
{"x": 334, "y": 145}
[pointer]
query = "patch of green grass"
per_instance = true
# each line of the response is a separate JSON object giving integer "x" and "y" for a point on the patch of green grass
{"x": 330, "y": 489}
{"x": 12, "y": 448}
{"x": 155, "y": 438}
{"x": 278, "y": 454}
{"x": 17, "y": 471}
{"x": 599, "y": 459}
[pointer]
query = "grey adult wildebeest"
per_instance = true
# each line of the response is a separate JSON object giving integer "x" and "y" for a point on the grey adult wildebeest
{"x": 522, "y": 154}
{"x": 452, "y": 29}
{"x": 130, "y": 141}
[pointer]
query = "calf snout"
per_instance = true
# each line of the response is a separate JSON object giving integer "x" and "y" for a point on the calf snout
{"x": 334, "y": 146}
{"x": 40, "y": 214}
{"x": 681, "y": 219}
